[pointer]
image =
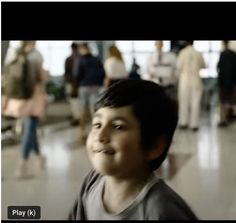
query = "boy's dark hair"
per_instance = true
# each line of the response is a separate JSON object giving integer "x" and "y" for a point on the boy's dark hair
{"x": 156, "y": 112}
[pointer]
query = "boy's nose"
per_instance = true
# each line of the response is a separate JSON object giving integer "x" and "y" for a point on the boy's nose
{"x": 103, "y": 136}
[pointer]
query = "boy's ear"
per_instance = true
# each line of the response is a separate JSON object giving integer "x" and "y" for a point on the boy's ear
{"x": 157, "y": 148}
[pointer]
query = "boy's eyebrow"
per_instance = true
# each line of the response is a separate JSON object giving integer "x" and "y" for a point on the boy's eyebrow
{"x": 120, "y": 118}
{"x": 97, "y": 115}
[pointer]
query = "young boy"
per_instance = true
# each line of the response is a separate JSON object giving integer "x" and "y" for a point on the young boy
{"x": 132, "y": 129}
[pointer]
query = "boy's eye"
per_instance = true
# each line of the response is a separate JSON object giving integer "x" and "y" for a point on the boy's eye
{"x": 118, "y": 127}
{"x": 96, "y": 125}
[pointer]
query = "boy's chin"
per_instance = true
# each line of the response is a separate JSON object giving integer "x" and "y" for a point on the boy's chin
{"x": 104, "y": 170}
{"x": 102, "y": 164}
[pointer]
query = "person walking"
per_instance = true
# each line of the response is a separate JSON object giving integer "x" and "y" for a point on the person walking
{"x": 226, "y": 68}
{"x": 90, "y": 77}
{"x": 114, "y": 67}
{"x": 161, "y": 68}
{"x": 30, "y": 110}
{"x": 190, "y": 86}
{"x": 70, "y": 83}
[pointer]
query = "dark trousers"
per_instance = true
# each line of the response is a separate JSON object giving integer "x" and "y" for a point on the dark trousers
{"x": 29, "y": 138}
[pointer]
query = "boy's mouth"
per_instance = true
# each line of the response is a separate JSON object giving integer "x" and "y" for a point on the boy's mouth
{"x": 107, "y": 151}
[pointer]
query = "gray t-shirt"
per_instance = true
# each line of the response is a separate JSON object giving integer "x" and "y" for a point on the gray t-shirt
{"x": 156, "y": 201}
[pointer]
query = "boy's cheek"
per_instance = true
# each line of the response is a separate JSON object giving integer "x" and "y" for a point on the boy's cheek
{"x": 88, "y": 142}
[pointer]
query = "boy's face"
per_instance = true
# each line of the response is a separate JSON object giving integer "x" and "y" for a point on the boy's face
{"x": 114, "y": 142}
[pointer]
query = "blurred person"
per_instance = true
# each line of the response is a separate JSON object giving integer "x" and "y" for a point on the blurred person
{"x": 114, "y": 67}
{"x": 29, "y": 110}
{"x": 71, "y": 64}
{"x": 190, "y": 86}
{"x": 90, "y": 77}
{"x": 161, "y": 67}
{"x": 134, "y": 73}
{"x": 129, "y": 140}
{"x": 226, "y": 68}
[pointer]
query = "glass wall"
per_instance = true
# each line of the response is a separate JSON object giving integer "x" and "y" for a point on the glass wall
{"x": 142, "y": 49}
{"x": 210, "y": 51}
{"x": 55, "y": 53}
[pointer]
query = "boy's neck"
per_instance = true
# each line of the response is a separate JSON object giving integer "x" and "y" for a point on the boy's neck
{"x": 120, "y": 192}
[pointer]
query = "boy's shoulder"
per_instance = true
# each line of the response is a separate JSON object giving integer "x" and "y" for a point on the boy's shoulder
{"x": 77, "y": 212}
{"x": 168, "y": 203}
{"x": 91, "y": 179}
{"x": 158, "y": 200}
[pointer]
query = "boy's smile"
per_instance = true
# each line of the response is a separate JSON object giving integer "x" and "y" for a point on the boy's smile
{"x": 107, "y": 151}
{"x": 114, "y": 142}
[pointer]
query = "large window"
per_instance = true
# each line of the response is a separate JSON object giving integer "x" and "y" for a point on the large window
{"x": 54, "y": 54}
{"x": 210, "y": 51}
{"x": 140, "y": 50}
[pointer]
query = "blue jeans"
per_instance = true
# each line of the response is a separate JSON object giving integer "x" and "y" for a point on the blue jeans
{"x": 29, "y": 138}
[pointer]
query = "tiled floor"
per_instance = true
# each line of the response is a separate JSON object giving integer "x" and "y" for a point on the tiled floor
{"x": 201, "y": 167}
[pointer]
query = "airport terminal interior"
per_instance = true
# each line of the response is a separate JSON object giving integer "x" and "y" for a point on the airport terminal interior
{"x": 200, "y": 165}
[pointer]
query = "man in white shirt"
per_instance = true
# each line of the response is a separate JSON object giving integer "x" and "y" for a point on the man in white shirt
{"x": 161, "y": 68}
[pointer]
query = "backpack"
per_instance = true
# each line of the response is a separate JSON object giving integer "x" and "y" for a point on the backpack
{"x": 18, "y": 82}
